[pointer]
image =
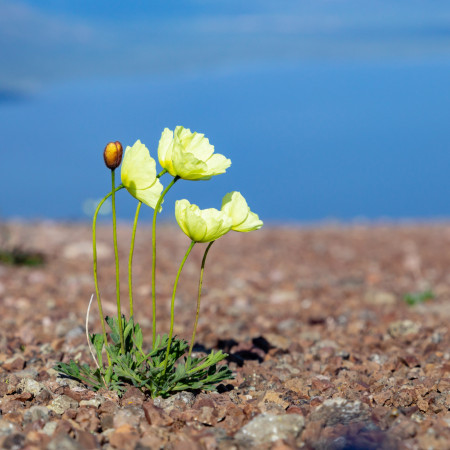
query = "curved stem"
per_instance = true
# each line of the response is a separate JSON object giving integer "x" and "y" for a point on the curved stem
{"x": 155, "y": 212}
{"x": 116, "y": 255}
{"x": 172, "y": 304}
{"x": 94, "y": 252}
{"x": 160, "y": 174}
{"x": 200, "y": 283}
{"x": 130, "y": 260}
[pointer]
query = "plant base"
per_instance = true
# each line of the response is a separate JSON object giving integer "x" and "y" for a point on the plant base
{"x": 146, "y": 370}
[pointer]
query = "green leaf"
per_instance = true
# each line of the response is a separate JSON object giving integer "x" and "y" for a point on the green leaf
{"x": 98, "y": 341}
{"x": 414, "y": 298}
{"x": 108, "y": 374}
{"x": 138, "y": 337}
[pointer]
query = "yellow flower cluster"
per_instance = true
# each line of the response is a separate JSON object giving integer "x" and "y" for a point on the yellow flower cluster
{"x": 189, "y": 156}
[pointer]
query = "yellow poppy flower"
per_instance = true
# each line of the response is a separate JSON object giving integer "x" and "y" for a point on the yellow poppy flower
{"x": 201, "y": 225}
{"x": 189, "y": 155}
{"x": 138, "y": 174}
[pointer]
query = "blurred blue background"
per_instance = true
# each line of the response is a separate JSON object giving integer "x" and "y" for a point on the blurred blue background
{"x": 327, "y": 109}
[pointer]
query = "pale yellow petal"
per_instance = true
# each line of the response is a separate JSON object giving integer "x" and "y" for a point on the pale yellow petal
{"x": 250, "y": 224}
{"x": 236, "y": 207}
{"x": 149, "y": 196}
{"x": 200, "y": 147}
{"x": 182, "y": 134}
{"x": 216, "y": 223}
{"x": 138, "y": 169}
{"x": 217, "y": 164}
{"x": 165, "y": 147}
{"x": 180, "y": 214}
{"x": 186, "y": 165}
{"x": 195, "y": 225}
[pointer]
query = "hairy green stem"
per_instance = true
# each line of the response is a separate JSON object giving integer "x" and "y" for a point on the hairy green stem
{"x": 200, "y": 284}
{"x": 155, "y": 212}
{"x": 130, "y": 259}
{"x": 116, "y": 255}
{"x": 94, "y": 252}
{"x": 172, "y": 304}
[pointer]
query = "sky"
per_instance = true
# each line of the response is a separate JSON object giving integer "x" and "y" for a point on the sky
{"x": 328, "y": 109}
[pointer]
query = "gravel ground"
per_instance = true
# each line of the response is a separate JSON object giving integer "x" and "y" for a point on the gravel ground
{"x": 325, "y": 350}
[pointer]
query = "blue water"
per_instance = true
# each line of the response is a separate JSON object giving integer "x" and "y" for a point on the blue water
{"x": 308, "y": 141}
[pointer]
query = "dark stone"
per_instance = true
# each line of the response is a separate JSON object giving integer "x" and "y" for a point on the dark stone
{"x": 14, "y": 441}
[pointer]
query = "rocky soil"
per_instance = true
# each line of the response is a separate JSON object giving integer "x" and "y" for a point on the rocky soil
{"x": 325, "y": 350}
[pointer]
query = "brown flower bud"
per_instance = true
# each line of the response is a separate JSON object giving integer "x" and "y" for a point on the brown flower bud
{"x": 113, "y": 155}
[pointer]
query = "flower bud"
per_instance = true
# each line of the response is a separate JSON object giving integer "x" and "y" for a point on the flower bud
{"x": 113, "y": 155}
